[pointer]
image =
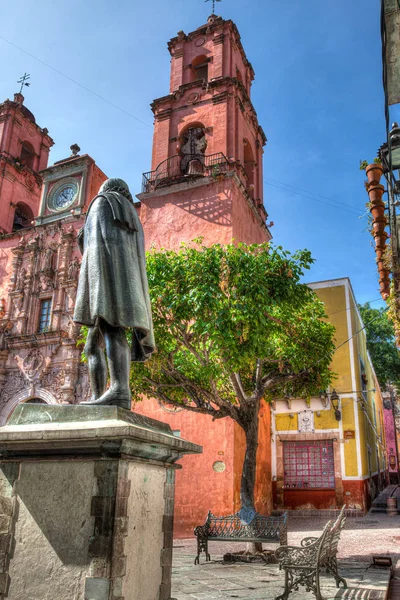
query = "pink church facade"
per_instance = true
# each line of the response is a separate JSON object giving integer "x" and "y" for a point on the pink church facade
{"x": 41, "y": 210}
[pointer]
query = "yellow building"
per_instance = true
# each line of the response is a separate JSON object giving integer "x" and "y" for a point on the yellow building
{"x": 322, "y": 459}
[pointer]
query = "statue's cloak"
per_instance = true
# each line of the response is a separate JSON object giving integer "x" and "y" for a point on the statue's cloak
{"x": 113, "y": 280}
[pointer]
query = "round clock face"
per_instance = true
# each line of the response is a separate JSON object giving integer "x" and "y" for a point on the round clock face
{"x": 63, "y": 196}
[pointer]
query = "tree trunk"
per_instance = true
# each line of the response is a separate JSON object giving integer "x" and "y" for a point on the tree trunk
{"x": 249, "y": 468}
{"x": 249, "y": 465}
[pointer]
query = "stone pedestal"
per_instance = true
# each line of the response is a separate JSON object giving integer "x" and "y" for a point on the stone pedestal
{"x": 86, "y": 504}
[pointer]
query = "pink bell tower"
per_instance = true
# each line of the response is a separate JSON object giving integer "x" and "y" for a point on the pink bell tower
{"x": 206, "y": 180}
{"x": 206, "y": 174}
{"x": 24, "y": 151}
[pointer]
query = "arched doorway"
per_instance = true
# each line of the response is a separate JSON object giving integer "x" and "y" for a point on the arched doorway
{"x": 40, "y": 396}
{"x": 35, "y": 401}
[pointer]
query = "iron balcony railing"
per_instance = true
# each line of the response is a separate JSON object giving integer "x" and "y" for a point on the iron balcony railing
{"x": 180, "y": 168}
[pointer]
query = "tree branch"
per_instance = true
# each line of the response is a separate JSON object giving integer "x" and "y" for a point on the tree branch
{"x": 237, "y": 386}
{"x": 215, "y": 414}
{"x": 271, "y": 382}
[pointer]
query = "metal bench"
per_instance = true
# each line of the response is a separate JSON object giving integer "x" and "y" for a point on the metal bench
{"x": 303, "y": 564}
{"x": 233, "y": 529}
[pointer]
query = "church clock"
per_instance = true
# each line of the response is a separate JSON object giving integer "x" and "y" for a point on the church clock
{"x": 63, "y": 195}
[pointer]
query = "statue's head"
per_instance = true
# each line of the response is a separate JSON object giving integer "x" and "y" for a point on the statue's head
{"x": 116, "y": 185}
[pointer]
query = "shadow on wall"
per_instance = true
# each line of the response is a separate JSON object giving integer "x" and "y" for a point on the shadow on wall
{"x": 211, "y": 207}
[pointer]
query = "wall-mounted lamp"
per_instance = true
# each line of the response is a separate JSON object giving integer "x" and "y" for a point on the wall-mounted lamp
{"x": 335, "y": 401}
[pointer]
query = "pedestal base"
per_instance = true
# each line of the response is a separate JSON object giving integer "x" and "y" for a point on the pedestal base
{"x": 86, "y": 506}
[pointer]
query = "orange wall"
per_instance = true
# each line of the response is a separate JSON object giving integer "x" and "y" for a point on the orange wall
{"x": 199, "y": 488}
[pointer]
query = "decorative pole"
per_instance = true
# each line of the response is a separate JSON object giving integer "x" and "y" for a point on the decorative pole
{"x": 24, "y": 80}
{"x": 213, "y": 4}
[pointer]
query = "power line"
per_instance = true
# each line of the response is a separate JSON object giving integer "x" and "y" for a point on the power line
{"x": 351, "y": 337}
{"x": 84, "y": 87}
{"x": 313, "y": 193}
{"x": 351, "y": 307}
{"x": 312, "y": 196}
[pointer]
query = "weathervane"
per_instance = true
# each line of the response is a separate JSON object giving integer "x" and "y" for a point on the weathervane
{"x": 24, "y": 79}
{"x": 213, "y": 3}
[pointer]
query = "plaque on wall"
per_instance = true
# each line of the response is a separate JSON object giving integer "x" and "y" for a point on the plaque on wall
{"x": 306, "y": 421}
{"x": 349, "y": 434}
{"x": 219, "y": 466}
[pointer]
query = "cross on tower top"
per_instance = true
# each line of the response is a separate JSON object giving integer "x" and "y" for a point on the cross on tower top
{"x": 213, "y": 4}
{"x": 24, "y": 81}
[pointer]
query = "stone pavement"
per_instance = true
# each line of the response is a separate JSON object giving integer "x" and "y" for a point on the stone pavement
{"x": 254, "y": 581}
{"x": 361, "y": 538}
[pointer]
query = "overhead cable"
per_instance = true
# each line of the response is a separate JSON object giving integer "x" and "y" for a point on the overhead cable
{"x": 81, "y": 85}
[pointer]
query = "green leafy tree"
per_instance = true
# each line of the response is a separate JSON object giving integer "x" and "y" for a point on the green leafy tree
{"x": 234, "y": 326}
{"x": 381, "y": 345}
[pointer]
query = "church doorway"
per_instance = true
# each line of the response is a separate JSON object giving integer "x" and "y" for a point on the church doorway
{"x": 35, "y": 401}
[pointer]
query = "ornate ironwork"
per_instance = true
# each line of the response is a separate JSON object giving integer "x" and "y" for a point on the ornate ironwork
{"x": 181, "y": 168}
{"x": 303, "y": 564}
{"x": 231, "y": 528}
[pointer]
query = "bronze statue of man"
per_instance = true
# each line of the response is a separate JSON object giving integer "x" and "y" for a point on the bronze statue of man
{"x": 113, "y": 294}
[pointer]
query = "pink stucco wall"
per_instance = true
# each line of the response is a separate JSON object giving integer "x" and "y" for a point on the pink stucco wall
{"x": 215, "y": 210}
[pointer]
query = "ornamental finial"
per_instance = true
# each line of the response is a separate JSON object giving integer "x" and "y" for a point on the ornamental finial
{"x": 213, "y": 4}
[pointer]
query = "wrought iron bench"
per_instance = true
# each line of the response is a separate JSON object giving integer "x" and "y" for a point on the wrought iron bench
{"x": 303, "y": 564}
{"x": 233, "y": 529}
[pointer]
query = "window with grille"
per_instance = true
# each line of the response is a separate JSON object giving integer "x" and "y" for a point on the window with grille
{"x": 308, "y": 464}
{"x": 45, "y": 313}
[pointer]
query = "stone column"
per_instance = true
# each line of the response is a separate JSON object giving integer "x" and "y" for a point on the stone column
{"x": 86, "y": 504}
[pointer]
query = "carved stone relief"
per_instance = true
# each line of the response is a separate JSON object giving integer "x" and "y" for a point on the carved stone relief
{"x": 32, "y": 362}
{"x": 15, "y": 382}
{"x": 52, "y": 381}
{"x": 82, "y": 390}
{"x": 43, "y": 261}
{"x": 21, "y": 279}
{"x": 73, "y": 270}
{"x": 306, "y": 421}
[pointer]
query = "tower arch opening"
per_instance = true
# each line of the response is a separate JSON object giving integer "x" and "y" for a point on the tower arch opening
{"x": 27, "y": 154}
{"x": 199, "y": 68}
{"x": 23, "y": 216}
{"x": 193, "y": 145}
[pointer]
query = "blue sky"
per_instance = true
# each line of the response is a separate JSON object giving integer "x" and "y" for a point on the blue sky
{"x": 317, "y": 92}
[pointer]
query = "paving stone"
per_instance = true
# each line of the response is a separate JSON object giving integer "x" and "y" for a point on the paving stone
{"x": 249, "y": 581}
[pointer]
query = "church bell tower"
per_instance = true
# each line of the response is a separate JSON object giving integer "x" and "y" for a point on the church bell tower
{"x": 24, "y": 151}
{"x": 206, "y": 173}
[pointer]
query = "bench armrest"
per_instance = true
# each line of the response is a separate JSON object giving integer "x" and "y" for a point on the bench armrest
{"x": 307, "y": 541}
{"x": 201, "y": 531}
{"x": 296, "y": 555}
